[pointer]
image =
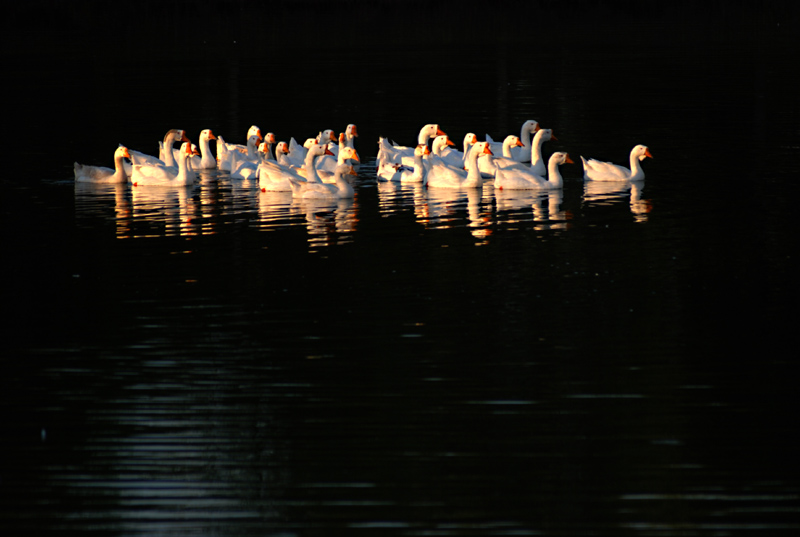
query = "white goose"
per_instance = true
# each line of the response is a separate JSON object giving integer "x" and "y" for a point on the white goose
{"x": 442, "y": 176}
{"x": 346, "y": 154}
{"x": 224, "y": 149}
{"x": 386, "y": 169}
{"x": 206, "y": 161}
{"x": 243, "y": 167}
{"x": 594, "y": 170}
{"x": 160, "y": 175}
{"x": 417, "y": 174}
{"x": 520, "y": 154}
{"x": 457, "y": 158}
{"x": 394, "y": 153}
{"x": 275, "y": 177}
{"x": 487, "y": 164}
{"x": 350, "y": 135}
{"x": 168, "y": 159}
{"x": 341, "y": 190}
{"x": 512, "y": 178}
{"x": 85, "y": 173}
{"x": 281, "y": 154}
{"x": 537, "y": 163}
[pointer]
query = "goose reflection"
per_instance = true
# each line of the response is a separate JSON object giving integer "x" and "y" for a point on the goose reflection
{"x": 277, "y": 209}
{"x": 328, "y": 221}
{"x": 541, "y": 206}
{"x": 479, "y": 219}
{"x": 610, "y": 193}
{"x": 173, "y": 207}
{"x": 442, "y": 205}
{"x": 92, "y": 201}
{"x": 394, "y": 197}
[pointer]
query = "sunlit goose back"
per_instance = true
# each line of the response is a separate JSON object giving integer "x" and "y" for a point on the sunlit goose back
{"x": 523, "y": 178}
{"x": 100, "y": 174}
{"x": 595, "y": 170}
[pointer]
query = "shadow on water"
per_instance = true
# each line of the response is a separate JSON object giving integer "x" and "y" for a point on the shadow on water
{"x": 602, "y": 360}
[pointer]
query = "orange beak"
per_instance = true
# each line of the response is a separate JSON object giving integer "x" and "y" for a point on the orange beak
{"x": 211, "y": 136}
{"x": 440, "y": 132}
{"x": 328, "y": 152}
{"x": 486, "y": 150}
{"x": 647, "y": 153}
{"x": 569, "y": 160}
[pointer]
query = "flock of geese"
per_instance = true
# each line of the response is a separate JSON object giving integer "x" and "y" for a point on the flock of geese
{"x": 322, "y": 166}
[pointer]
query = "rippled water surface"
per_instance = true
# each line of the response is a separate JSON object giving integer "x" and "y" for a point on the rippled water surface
{"x": 217, "y": 360}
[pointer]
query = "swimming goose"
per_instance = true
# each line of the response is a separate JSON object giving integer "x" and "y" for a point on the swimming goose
{"x": 326, "y": 171}
{"x": 161, "y": 175}
{"x": 512, "y": 178}
{"x": 487, "y": 164}
{"x": 394, "y": 153}
{"x": 594, "y": 170}
{"x": 442, "y": 176}
{"x": 224, "y": 148}
{"x": 342, "y": 189}
{"x": 275, "y": 177}
{"x": 520, "y": 154}
{"x": 167, "y": 159}
{"x": 85, "y": 173}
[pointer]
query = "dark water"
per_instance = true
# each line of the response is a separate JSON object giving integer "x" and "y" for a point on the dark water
{"x": 219, "y": 361}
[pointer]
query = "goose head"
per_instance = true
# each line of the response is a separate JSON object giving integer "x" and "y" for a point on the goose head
{"x": 175, "y": 135}
{"x": 641, "y": 152}
{"x": 282, "y": 148}
{"x": 326, "y": 136}
{"x": 440, "y": 142}
{"x": 530, "y": 126}
{"x": 344, "y": 169}
{"x": 544, "y": 135}
{"x": 348, "y": 153}
{"x": 269, "y": 138}
{"x": 253, "y": 130}
{"x": 513, "y": 141}
{"x": 560, "y": 157}
{"x": 122, "y": 151}
{"x": 207, "y": 134}
{"x": 429, "y": 131}
{"x": 320, "y": 149}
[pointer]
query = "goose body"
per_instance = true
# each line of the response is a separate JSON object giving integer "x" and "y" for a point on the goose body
{"x": 513, "y": 178}
{"x": 442, "y": 176}
{"x": 99, "y": 174}
{"x": 488, "y": 165}
{"x": 394, "y": 153}
{"x": 161, "y": 175}
{"x": 595, "y": 170}
{"x": 164, "y": 157}
{"x": 276, "y": 177}
{"x": 224, "y": 148}
{"x": 346, "y": 155}
{"x": 342, "y": 189}
{"x": 522, "y": 153}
